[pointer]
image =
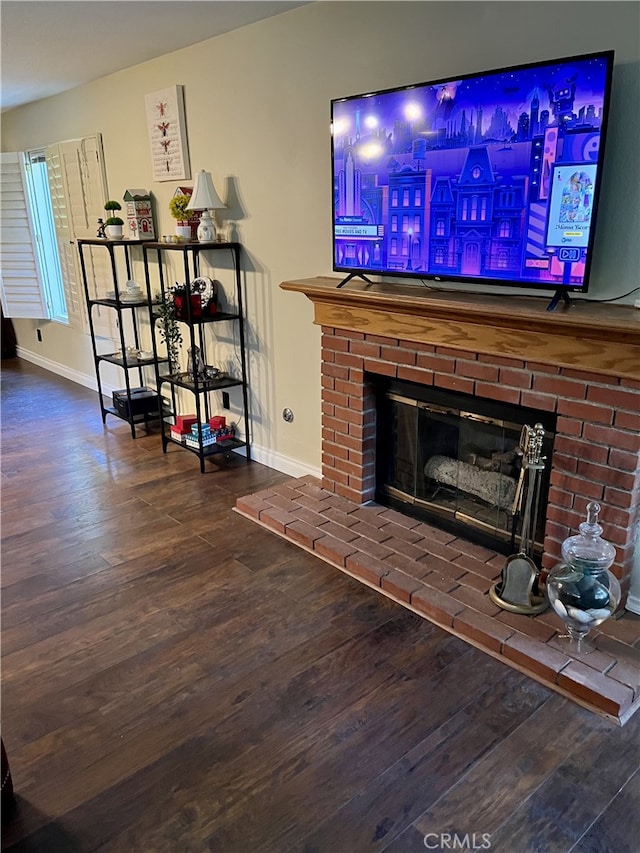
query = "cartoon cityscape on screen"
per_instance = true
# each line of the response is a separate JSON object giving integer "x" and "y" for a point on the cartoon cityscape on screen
{"x": 487, "y": 177}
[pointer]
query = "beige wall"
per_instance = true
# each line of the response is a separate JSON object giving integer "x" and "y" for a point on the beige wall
{"x": 257, "y": 108}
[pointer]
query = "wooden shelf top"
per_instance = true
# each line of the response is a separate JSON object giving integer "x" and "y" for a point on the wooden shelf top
{"x": 595, "y": 336}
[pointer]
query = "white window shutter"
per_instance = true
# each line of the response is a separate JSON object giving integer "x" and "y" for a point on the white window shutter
{"x": 78, "y": 192}
{"x": 67, "y": 249}
{"x": 20, "y": 275}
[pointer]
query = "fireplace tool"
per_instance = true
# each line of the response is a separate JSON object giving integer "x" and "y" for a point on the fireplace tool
{"x": 516, "y": 590}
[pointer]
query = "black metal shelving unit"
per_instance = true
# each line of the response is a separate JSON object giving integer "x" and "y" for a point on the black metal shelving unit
{"x": 121, "y": 307}
{"x": 202, "y": 389}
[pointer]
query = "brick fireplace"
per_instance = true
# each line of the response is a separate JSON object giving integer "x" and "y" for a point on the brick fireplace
{"x": 580, "y": 363}
{"x": 596, "y": 446}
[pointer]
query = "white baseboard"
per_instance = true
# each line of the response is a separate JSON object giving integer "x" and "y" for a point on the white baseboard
{"x": 284, "y": 464}
{"x": 633, "y": 603}
{"x": 88, "y": 381}
{"x": 263, "y": 455}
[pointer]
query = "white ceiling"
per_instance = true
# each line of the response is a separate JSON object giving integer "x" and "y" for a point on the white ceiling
{"x": 49, "y": 46}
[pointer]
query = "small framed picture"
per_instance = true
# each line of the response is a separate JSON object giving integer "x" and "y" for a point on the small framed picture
{"x": 168, "y": 134}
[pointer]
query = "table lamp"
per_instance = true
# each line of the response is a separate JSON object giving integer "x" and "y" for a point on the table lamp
{"x": 206, "y": 199}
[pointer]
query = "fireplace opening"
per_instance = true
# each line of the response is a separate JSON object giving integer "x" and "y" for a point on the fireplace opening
{"x": 454, "y": 460}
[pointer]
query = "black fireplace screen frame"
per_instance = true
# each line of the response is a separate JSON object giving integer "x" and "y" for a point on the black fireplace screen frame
{"x": 431, "y": 440}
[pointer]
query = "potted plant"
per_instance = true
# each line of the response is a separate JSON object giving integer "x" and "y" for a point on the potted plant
{"x": 178, "y": 209}
{"x": 169, "y": 328}
{"x": 113, "y": 224}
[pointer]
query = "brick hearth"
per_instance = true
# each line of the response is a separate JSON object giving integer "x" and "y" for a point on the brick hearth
{"x": 446, "y": 580}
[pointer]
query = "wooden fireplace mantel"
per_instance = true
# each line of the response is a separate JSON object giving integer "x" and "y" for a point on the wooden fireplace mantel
{"x": 584, "y": 335}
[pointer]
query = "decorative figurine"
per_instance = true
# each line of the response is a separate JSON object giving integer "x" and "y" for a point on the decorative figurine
{"x": 195, "y": 364}
{"x": 101, "y": 233}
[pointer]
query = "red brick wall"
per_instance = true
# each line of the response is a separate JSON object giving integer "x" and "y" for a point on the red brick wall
{"x": 596, "y": 452}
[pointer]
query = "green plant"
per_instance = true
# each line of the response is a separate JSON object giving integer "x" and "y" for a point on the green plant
{"x": 169, "y": 329}
{"x": 114, "y": 220}
{"x": 178, "y": 207}
{"x": 112, "y": 205}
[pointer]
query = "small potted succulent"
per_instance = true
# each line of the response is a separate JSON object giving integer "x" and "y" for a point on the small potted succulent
{"x": 113, "y": 224}
{"x": 178, "y": 209}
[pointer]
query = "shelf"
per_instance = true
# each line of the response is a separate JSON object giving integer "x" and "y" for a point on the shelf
{"x": 183, "y": 380}
{"x": 191, "y": 246}
{"x": 136, "y": 419}
{"x": 129, "y": 322}
{"x": 129, "y": 363}
{"x": 196, "y": 337}
{"x": 225, "y": 446}
{"x": 205, "y": 318}
{"x": 122, "y": 303}
{"x": 103, "y": 241}
{"x": 584, "y": 335}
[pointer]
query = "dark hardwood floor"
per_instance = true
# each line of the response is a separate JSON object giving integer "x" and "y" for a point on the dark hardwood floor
{"x": 175, "y": 678}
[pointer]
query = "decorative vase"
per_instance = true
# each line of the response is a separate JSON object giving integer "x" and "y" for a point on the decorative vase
{"x": 183, "y": 311}
{"x": 581, "y": 589}
{"x": 183, "y": 232}
{"x": 114, "y": 232}
{"x": 206, "y": 228}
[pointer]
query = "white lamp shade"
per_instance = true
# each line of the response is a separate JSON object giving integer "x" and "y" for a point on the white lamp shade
{"x": 204, "y": 195}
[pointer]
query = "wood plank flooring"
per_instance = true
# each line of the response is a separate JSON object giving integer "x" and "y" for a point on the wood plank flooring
{"x": 176, "y": 678}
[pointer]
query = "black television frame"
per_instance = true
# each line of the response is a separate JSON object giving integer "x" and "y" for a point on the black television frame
{"x": 562, "y": 289}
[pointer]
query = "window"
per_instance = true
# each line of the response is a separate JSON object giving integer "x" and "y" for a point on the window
{"x": 440, "y": 227}
{"x": 57, "y": 196}
{"x": 505, "y": 228}
{"x": 405, "y": 224}
{"x": 394, "y": 222}
{"x": 405, "y": 198}
{"x": 417, "y": 200}
{"x": 394, "y": 198}
{"x": 39, "y": 199}
{"x": 439, "y": 256}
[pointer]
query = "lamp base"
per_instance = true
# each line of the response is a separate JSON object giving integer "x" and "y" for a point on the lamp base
{"x": 206, "y": 228}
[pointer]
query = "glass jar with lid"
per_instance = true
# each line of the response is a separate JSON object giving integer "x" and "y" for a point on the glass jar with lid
{"x": 582, "y": 590}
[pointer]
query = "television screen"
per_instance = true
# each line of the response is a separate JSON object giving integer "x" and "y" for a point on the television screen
{"x": 490, "y": 178}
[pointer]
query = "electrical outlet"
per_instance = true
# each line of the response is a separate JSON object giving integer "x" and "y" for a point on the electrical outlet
{"x": 225, "y": 400}
{"x": 39, "y": 334}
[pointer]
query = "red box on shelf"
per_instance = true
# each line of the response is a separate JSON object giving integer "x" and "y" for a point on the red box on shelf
{"x": 184, "y": 422}
{"x": 217, "y": 422}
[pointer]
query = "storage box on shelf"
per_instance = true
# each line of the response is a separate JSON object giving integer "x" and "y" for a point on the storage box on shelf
{"x": 135, "y": 401}
{"x": 200, "y": 318}
{"x": 130, "y": 305}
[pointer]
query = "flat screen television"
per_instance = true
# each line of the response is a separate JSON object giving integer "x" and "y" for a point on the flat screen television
{"x": 490, "y": 178}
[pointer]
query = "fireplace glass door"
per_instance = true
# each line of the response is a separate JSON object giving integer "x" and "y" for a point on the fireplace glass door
{"x": 450, "y": 464}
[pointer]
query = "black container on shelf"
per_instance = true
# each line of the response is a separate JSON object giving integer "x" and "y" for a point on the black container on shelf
{"x": 136, "y": 401}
